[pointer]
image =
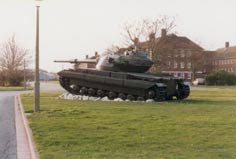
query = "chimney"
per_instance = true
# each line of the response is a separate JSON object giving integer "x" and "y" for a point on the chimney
{"x": 86, "y": 57}
{"x": 226, "y": 44}
{"x": 163, "y": 32}
{"x": 136, "y": 43}
{"x": 96, "y": 54}
{"x": 151, "y": 36}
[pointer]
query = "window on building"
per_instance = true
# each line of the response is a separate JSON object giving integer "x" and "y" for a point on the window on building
{"x": 189, "y": 65}
{"x": 181, "y": 64}
{"x": 175, "y": 74}
{"x": 182, "y": 74}
{"x": 175, "y": 64}
{"x": 182, "y": 53}
{"x": 189, "y": 76}
{"x": 176, "y": 53}
{"x": 189, "y": 53}
{"x": 169, "y": 63}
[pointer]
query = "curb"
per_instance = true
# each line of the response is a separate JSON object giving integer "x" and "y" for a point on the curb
{"x": 25, "y": 138}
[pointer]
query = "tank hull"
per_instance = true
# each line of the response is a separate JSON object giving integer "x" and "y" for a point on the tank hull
{"x": 132, "y": 86}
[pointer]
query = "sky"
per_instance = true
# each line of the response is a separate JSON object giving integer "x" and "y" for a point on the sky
{"x": 72, "y": 29}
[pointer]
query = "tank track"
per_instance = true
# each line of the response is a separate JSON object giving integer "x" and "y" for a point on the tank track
{"x": 160, "y": 92}
{"x": 122, "y": 85}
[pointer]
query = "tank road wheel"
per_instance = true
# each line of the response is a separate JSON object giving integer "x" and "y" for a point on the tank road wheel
{"x": 169, "y": 98}
{"x": 91, "y": 92}
{"x": 130, "y": 97}
{"x": 122, "y": 96}
{"x": 150, "y": 94}
{"x": 112, "y": 95}
{"x": 100, "y": 93}
{"x": 83, "y": 91}
{"x": 140, "y": 98}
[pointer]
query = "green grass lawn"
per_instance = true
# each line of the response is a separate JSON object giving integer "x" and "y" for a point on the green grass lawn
{"x": 201, "y": 127}
{"x": 218, "y": 87}
{"x": 12, "y": 88}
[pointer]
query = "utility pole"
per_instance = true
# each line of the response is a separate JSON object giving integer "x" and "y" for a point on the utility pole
{"x": 24, "y": 76}
{"x": 37, "y": 83}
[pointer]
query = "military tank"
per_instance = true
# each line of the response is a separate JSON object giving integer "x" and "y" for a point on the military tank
{"x": 122, "y": 76}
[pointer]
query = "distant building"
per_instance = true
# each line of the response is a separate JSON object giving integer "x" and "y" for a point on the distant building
{"x": 225, "y": 58}
{"x": 47, "y": 76}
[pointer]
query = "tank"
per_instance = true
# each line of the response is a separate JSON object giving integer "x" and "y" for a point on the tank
{"x": 122, "y": 76}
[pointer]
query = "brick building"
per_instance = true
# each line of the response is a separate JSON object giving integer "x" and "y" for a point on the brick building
{"x": 225, "y": 59}
{"x": 175, "y": 55}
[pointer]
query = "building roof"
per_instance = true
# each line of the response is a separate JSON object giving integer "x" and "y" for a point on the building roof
{"x": 231, "y": 49}
{"x": 172, "y": 41}
{"x": 177, "y": 42}
{"x": 227, "y": 52}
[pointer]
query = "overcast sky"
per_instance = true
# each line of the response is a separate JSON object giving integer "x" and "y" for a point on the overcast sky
{"x": 73, "y": 28}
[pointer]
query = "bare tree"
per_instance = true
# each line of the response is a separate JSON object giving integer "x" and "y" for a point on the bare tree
{"x": 12, "y": 58}
{"x": 134, "y": 32}
{"x": 111, "y": 49}
{"x": 143, "y": 29}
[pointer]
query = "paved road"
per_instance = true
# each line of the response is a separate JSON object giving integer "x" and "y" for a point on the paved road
{"x": 7, "y": 125}
{"x": 49, "y": 87}
{"x": 7, "y": 120}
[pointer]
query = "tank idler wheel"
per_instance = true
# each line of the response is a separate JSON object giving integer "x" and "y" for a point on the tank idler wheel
{"x": 66, "y": 81}
{"x": 140, "y": 98}
{"x": 74, "y": 89}
{"x": 150, "y": 94}
{"x": 112, "y": 95}
{"x": 91, "y": 92}
{"x": 122, "y": 96}
{"x": 130, "y": 97}
{"x": 179, "y": 95}
{"x": 84, "y": 91}
{"x": 100, "y": 93}
{"x": 62, "y": 81}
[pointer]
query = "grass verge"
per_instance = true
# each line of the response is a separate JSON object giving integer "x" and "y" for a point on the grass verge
{"x": 216, "y": 87}
{"x": 203, "y": 126}
{"x": 51, "y": 82}
{"x": 20, "y": 88}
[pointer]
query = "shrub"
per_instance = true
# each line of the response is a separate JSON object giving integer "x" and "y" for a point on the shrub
{"x": 221, "y": 78}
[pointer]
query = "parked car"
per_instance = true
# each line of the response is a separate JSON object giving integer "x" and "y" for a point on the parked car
{"x": 199, "y": 81}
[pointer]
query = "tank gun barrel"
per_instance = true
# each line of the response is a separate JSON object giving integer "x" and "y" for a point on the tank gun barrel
{"x": 75, "y": 61}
